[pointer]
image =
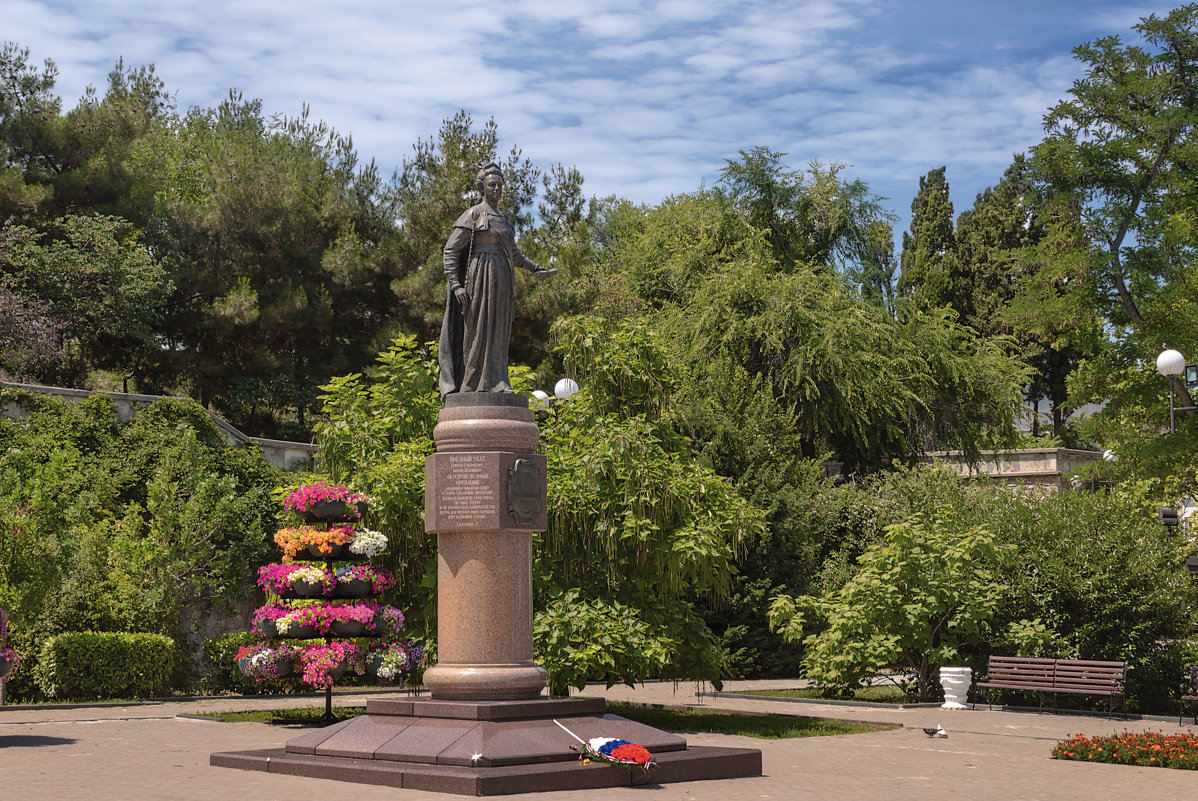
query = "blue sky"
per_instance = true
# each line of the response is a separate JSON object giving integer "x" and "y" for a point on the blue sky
{"x": 647, "y": 99}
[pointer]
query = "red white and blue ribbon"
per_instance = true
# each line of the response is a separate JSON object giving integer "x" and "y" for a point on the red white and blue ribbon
{"x": 612, "y": 751}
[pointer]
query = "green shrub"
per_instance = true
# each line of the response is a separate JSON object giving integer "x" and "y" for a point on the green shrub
{"x": 579, "y": 640}
{"x": 106, "y": 665}
{"x": 928, "y": 589}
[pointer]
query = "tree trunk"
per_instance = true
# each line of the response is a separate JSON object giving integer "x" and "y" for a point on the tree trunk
{"x": 1183, "y": 394}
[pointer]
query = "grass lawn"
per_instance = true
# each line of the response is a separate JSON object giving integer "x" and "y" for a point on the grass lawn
{"x": 882, "y": 694}
{"x": 309, "y": 716}
{"x": 770, "y": 727}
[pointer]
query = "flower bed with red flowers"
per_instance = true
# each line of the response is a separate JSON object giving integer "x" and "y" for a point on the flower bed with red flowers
{"x": 1151, "y": 749}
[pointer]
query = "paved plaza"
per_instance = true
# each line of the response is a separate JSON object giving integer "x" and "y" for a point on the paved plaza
{"x": 154, "y": 751}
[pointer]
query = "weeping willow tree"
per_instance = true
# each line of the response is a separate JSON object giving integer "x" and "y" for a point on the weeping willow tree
{"x": 638, "y": 529}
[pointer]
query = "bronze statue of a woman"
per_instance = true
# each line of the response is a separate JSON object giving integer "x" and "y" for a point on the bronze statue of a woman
{"x": 480, "y": 261}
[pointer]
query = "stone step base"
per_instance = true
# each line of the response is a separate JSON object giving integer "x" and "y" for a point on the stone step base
{"x": 693, "y": 764}
{"x": 487, "y": 748}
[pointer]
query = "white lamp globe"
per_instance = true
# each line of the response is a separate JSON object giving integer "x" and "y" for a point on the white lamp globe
{"x": 1170, "y": 362}
{"x": 540, "y": 399}
{"x": 565, "y": 388}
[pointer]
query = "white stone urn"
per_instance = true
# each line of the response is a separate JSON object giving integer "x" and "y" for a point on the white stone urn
{"x": 955, "y": 681}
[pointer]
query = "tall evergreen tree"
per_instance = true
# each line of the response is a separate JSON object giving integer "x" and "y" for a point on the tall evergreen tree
{"x": 995, "y": 241}
{"x": 282, "y": 261}
{"x": 927, "y": 264}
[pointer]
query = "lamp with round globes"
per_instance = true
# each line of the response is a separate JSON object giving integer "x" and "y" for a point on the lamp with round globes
{"x": 565, "y": 388}
{"x": 1171, "y": 364}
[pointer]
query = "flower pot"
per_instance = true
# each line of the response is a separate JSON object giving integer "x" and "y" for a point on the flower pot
{"x": 955, "y": 681}
{"x": 334, "y": 551}
{"x": 346, "y": 628}
{"x": 373, "y": 664}
{"x": 6, "y": 666}
{"x": 338, "y": 670}
{"x": 362, "y": 507}
{"x": 354, "y": 588}
{"x": 307, "y": 589}
{"x": 243, "y": 663}
{"x": 329, "y": 510}
{"x": 286, "y": 667}
{"x": 300, "y": 632}
{"x": 266, "y": 628}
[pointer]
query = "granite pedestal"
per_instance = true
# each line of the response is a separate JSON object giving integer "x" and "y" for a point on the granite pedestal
{"x": 486, "y": 730}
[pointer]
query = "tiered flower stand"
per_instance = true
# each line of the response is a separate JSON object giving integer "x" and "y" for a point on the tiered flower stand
{"x": 329, "y": 594}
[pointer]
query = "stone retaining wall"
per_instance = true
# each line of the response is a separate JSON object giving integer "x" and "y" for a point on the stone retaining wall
{"x": 280, "y": 453}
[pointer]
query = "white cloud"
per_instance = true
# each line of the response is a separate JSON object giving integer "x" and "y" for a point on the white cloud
{"x": 647, "y": 98}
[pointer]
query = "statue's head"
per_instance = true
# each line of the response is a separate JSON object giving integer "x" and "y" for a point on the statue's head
{"x": 480, "y": 180}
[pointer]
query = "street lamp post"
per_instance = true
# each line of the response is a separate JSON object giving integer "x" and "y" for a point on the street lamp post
{"x": 1171, "y": 364}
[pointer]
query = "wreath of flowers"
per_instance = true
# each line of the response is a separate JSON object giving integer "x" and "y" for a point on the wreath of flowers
{"x": 302, "y": 616}
{"x": 268, "y": 614}
{"x": 276, "y": 578}
{"x": 612, "y": 751}
{"x": 280, "y": 578}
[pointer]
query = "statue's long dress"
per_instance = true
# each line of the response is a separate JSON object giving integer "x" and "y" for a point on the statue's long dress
{"x": 480, "y": 256}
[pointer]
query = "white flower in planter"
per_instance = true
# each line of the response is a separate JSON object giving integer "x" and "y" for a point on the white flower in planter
{"x": 368, "y": 543}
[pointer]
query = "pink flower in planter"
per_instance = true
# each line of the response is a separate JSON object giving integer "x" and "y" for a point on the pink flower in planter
{"x": 320, "y": 661}
{"x": 276, "y": 578}
{"x": 303, "y": 499}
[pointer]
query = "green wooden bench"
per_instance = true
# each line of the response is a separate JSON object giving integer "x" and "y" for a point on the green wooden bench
{"x": 1055, "y": 676}
{"x": 1189, "y": 694}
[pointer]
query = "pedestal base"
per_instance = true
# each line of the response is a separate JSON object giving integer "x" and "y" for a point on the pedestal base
{"x": 485, "y": 682}
{"x": 487, "y": 748}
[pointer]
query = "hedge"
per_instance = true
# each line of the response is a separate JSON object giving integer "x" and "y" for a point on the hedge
{"x": 88, "y": 664}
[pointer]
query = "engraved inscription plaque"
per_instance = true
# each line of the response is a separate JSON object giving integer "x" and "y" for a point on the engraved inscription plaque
{"x": 468, "y": 497}
{"x": 471, "y": 491}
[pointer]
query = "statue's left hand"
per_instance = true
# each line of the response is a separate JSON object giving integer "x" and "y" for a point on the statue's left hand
{"x": 545, "y": 272}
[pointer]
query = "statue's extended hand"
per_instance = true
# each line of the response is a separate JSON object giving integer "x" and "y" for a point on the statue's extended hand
{"x": 546, "y": 272}
{"x": 462, "y": 296}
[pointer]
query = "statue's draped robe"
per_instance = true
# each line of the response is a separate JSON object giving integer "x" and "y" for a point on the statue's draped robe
{"x": 480, "y": 255}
